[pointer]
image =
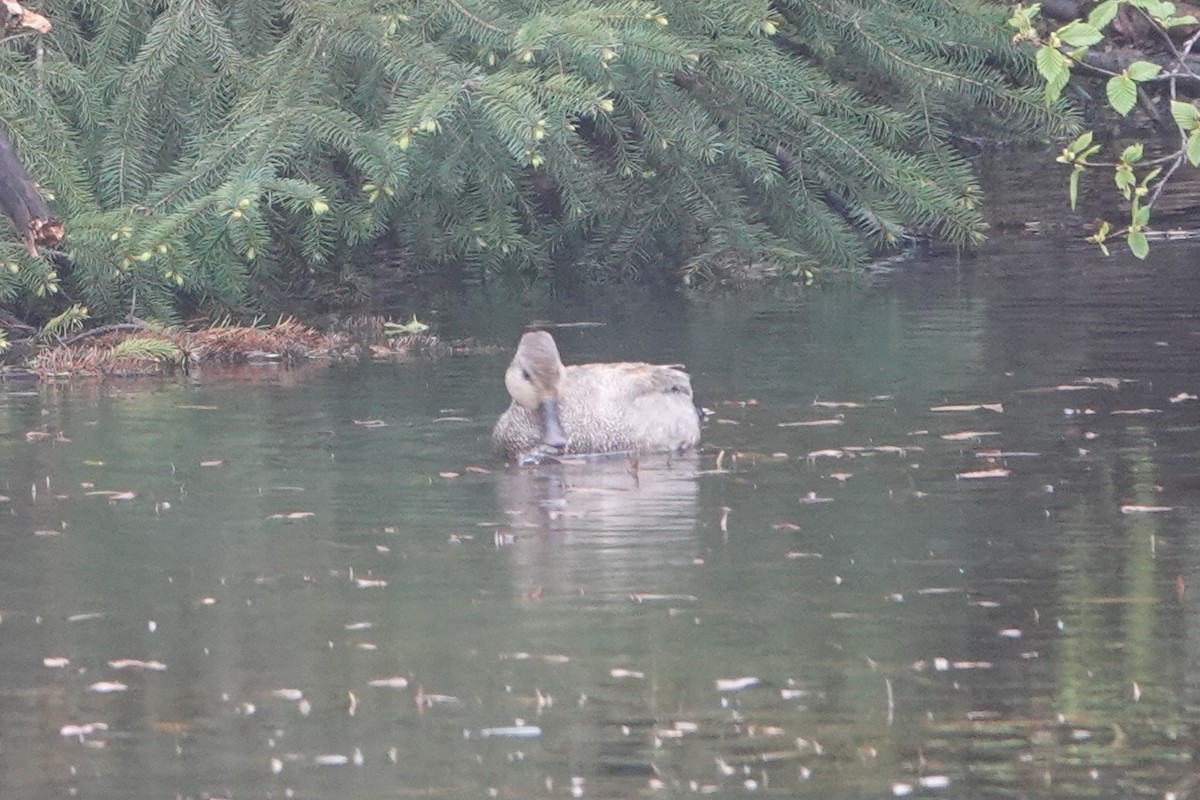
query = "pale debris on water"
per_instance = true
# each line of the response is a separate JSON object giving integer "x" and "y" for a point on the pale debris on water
{"x": 997, "y": 407}
{"x": 292, "y": 515}
{"x": 1134, "y": 509}
{"x": 518, "y": 731}
{"x": 962, "y": 436}
{"x": 621, "y": 672}
{"x": 981, "y": 474}
{"x": 84, "y": 729}
{"x": 56, "y": 662}
{"x": 812, "y": 423}
{"x": 736, "y": 684}
{"x": 138, "y": 664}
{"x": 107, "y": 687}
{"x": 395, "y": 682}
{"x": 1182, "y": 396}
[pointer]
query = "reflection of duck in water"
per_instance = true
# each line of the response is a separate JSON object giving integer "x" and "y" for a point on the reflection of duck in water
{"x": 592, "y": 408}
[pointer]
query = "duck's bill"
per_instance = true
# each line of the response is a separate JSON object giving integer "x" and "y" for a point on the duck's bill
{"x": 553, "y": 438}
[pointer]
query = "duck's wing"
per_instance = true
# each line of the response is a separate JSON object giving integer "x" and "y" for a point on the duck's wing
{"x": 641, "y": 380}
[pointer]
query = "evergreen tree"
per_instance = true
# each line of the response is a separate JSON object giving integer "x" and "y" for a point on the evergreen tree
{"x": 202, "y": 153}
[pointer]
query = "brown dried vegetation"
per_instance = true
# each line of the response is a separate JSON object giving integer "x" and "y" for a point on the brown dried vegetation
{"x": 145, "y": 349}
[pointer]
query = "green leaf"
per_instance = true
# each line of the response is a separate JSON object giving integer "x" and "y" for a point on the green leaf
{"x": 1193, "y": 148}
{"x": 1052, "y": 64}
{"x": 1081, "y": 143}
{"x": 1103, "y": 14}
{"x": 1186, "y": 115}
{"x": 1080, "y": 34}
{"x": 1132, "y": 154}
{"x": 1172, "y": 22}
{"x": 1138, "y": 244}
{"x": 1073, "y": 185}
{"x": 1125, "y": 180}
{"x": 1141, "y": 217}
{"x": 1143, "y": 70}
{"x": 1122, "y": 93}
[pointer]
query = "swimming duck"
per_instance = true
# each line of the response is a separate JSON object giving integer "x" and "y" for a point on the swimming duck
{"x": 592, "y": 408}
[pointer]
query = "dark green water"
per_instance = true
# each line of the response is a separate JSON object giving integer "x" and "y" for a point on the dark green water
{"x": 865, "y": 623}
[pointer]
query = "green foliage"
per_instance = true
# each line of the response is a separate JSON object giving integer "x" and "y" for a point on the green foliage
{"x": 144, "y": 348}
{"x": 212, "y": 154}
{"x": 69, "y": 321}
{"x": 1065, "y": 48}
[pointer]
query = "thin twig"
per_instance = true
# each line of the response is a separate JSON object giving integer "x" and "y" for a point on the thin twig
{"x": 103, "y": 329}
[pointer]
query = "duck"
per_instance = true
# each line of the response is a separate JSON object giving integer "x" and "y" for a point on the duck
{"x": 583, "y": 409}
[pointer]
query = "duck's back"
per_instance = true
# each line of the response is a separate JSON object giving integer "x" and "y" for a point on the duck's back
{"x": 628, "y": 406}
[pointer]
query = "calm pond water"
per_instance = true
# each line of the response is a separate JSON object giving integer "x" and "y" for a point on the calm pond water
{"x": 228, "y": 586}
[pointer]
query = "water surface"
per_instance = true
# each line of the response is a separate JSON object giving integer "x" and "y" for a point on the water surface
{"x": 322, "y": 566}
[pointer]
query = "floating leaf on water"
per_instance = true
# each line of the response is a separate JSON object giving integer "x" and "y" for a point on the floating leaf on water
{"x": 836, "y": 404}
{"x": 479, "y": 470}
{"x": 447, "y": 475}
{"x": 1134, "y": 509}
{"x": 963, "y": 436}
{"x": 1111, "y": 383}
{"x": 649, "y": 597}
{"x": 331, "y": 760}
{"x": 137, "y": 663}
{"x": 293, "y": 515}
{"x": 997, "y": 407}
{"x": 56, "y": 662}
{"x": 84, "y": 729}
{"x": 512, "y": 731}
{"x": 107, "y": 687}
{"x": 981, "y": 474}
{"x": 736, "y": 684}
{"x": 395, "y": 682}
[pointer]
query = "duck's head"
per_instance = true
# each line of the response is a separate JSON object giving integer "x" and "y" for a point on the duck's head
{"x": 533, "y": 379}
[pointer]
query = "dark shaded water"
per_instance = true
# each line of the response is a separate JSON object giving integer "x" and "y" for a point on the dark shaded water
{"x": 830, "y": 610}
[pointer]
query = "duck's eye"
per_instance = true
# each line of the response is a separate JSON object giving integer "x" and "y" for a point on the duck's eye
{"x": 525, "y": 375}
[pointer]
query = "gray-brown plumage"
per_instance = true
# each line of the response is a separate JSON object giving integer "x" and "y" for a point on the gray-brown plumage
{"x": 592, "y": 408}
